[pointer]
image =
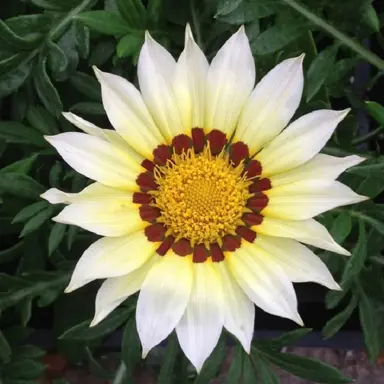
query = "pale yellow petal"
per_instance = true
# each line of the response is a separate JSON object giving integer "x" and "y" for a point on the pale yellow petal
{"x": 231, "y": 78}
{"x": 200, "y": 327}
{"x": 271, "y": 105}
{"x": 112, "y": 257}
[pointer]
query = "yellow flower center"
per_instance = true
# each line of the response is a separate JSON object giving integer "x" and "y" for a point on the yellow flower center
{"x": 201, "y": 197}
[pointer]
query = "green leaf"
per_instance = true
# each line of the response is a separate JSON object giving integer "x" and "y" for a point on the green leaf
{"x": 54, "y": 175}
{"x": 291, "y": 337}
{"x": 102, "y": 52}
{"x": 84, "y": 332}
{"x": 370, "y": 325}
{"x": 11, "y": 61}
{"x": 249, "y": 375}
{"x": 29, "y": 211}
{"x": 5, "y": 349}
{"x": 309, "y": 369}
{"x": 357, "y": 259}
{"x": 45, "y": 89}
{"x": 131, "y": 346}
{"x": 376, "y": 111}
{"x": 319, "y": 70}
{"x": 88, "y": 108}
{"x": 56, "y": 236}
{"x": 276, "y": 38}
{"x": 95, "y": 368}
{"x": 265, "y": 371}
{"x": 227, "y": 6}
{"x": 57, "y": 61}
{"x": 129, "y": 45}
{"x": 28, "y": 352}
{"x": 168, "y": 364}
{"x": 370, "y": 18}
{"x": 212, "y": 365}
{"x": 340, "y": 70}
{"x": 42, "y": 120}
{"x": 11, "y": 253}
{"x": 18, "y": 105}
{"x": 21, "y": 166}
{"x": 48, "y": 297}
{"x": 37, "y": 221}
{"x": 87, "y": 85}
{"x": 341, "y": 227}
{"x": 236, "y": 367}
{"x": 12, "y": 41}
{"x": 13, "y": 80}
{"x": 154, "y": 11}
{"x": 15, "y": 132}
{"x": 333, "y": 298}
{"x": 133, "y": 11}
{"x": 82, "y": 35}
{"x": 24, "y": 369}
{"x": 56, "y": 5}
{"x": 32, "y": 23}
{"x": 20, "y": 185}
{"x": 336, "y": 323}
{"x": 104, "y": 22}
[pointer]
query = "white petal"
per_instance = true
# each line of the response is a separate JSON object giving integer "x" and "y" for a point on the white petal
{"x": 201, "y": 325}
{"x": 321, "y": 166}
{"x": 306, "y": 231}
{"x": 240, "y": 311}
{"x": 272, "y": 104}
{"x": 300, "y": 141}
{"x": 264, "y": 281}
{"x": 230, "y": 80}
{"x": 189, "y": 83}
{"x": 298, "y": 262}
{"x": 128, "y": 113}
{"x": 112, "y": 257}
{"x": 163, "y": 298}
{"x": 156, "y": 69}
{"x": 98, "y": 160}
{"x": 117, "y": 289}
{"x": 305, "y": 199}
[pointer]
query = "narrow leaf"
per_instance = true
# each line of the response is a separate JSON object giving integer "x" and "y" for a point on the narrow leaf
{"x": 15, "y": 132}
{"x": 376, "y": 111}
{"x": 56, "y": 236}
{"x": 29, "y": 211}
{"x": 131, "y": 346}
{"x": 236, "y": 368}
{"x": 14, "y": 79}
{"x": 5, "y": 349}
{"x": 133, "y": 12}
{"x": 20, "y": 185}
{"x": 87, "y": 85}
{"x": 37, "y": 221}
{"x": 42, "y": 120}
{"x": 168, "y": 364}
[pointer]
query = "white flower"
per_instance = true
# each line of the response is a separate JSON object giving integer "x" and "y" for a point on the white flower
{"x": 203, "y": 193}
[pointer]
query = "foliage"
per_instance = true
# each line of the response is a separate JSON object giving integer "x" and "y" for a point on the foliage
{"x": 47, "y": 50}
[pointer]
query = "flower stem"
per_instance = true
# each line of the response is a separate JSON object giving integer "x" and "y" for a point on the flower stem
{"x": 120, "y": 374}
{"x": 346, "y": 40}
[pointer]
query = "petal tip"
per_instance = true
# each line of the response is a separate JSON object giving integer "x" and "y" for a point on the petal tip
{"x": 144, "y": 353}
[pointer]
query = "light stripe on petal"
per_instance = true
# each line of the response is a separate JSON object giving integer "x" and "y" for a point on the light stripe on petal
{"x": 321, "y": 166}
{"x": 272, "y": 104}
{"x": 128, "y": 113}
{"x": 298, "y": 262}
{"x": 306, "y": 231}
{"x": 300, "y": 141}
{"x": 264, "y": 281}
{"x": 230, "y": 80}
{"x": 200, "y": 327}
{"x": 163, "y": 298}
{"x": 305, "y": 199}
{"x": 240, "y": 311}
{"x": 98, "y": 160}
{"x": 112, "y": 257}
{"x": 156, "y": 70}
{"x": 117, "y": 289}
{"x": 189, "y": 82}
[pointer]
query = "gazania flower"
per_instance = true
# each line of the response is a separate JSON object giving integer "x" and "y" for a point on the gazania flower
{"x": 204, "y": 194}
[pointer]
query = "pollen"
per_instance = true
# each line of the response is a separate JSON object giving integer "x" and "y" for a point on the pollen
{"x": 201, "y": 197}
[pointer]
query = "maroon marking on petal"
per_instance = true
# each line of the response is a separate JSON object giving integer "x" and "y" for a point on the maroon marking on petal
{"x": 146, "y": 181}
{"x": 246, "y": 233}
{"x": 257, "y": 202}
{"x": 238, "y": 152}
{"x": 181, "y": 143}
{"x": 149, "y": 213}
{"x": 142, "y": 198}
{"x": 155, "y": 232}
{"x": 182, "y": 247}
{"x": 260, "y": 185}
{"x": 217, "y": 254}
{"x": 200, "y": 253}
{"x": 198, "y": 139}
{"x": 217, "y": 141}
{"x": 252, "y": 219}
{"x": 231, "y": 243}
{"x": 162, "y": 154}
{"x": 165, "y": 246}
{"x": 148, "y": 165}
{"x": 253, "y": 168}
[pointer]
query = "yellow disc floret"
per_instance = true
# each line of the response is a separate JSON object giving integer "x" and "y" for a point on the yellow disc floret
{"x": 201, "y": 197}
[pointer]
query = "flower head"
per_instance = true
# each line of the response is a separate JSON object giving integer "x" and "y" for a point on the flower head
{"x": 203, "y": 193}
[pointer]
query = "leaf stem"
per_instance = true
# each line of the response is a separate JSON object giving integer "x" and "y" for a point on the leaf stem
{"x": 346, "y": 40}
{"x": 368, "y": 136}
{"x": 120, "y": 374}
